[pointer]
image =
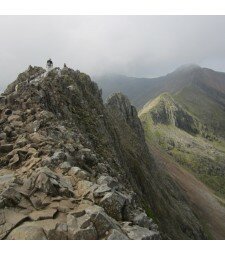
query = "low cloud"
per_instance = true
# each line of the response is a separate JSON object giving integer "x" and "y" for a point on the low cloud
{"x": 143, "y": 46}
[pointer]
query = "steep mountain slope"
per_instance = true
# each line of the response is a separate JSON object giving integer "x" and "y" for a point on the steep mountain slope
{"x": 204, "y": 202}
{"x": 164, "y": 110}
{"x": 200, "y": 91}
{"x": 141, "y": 90}
{"x": 183, "y": 113}
{"x": 202, "y": 103}
{"x": 190, "y": 143}
{"x": 74, "y": 168}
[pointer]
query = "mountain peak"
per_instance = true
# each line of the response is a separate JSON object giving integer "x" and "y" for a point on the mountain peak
{"x": 165, "y": 110}
{"x": 188, "y": 68}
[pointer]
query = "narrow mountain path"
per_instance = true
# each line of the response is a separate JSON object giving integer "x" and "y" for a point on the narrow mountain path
{"x": 209, "y": 208}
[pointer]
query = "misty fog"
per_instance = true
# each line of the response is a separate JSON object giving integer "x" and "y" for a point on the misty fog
{"x": 141, "y": 46}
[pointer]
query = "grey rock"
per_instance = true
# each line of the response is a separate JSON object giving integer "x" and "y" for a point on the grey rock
{"x": 14, "y": 161}
{"x": 93, "y": 210}
{"x": 113, "y": 203}
{"x": 77, "y": 212}
{"x": 84, "y": 221}
{"x": 11, "y": 197}
{"x": 16, "y": 124}
{"x": 116, "y": 235}
{"x": 65, "y": 166}
{"x": 103, "y": 223}
{"x": 21, "y": 141}
{"x": 59, "y": 233}
{"x": 27, "y": 233}
{"x": 5, "y": 148}
{"x": 84, "y": 187}
{"x": 58, "y": 156}
{"x": 79, "y": 173}
{"x": 6, "y": 179}
{"x": 8, "y": 112}
{"x": 42, "y": 215}
{"x": 101, "y": 190}
{"x": 33, "y": 126}
{"x": 7, "y": 130}
{"x": 50, "y": 183}
{"x": 45, "y": 115}
{"x": 9, "y": 219}
{"x": 36, "y": 138}
{"x": 75, "y": 232}
{"x": 87, "y": 156}
{"x": 88, "y": 233}
{"x": 138, "y": 233}
{"x": 128, "y": 112}
{"x": 3, "y": 136}
{"x": 2, "y": 204}
{"x": 142, "y": 220}
{"x": 110, "y": 181}
{"x": 14, "y": 117}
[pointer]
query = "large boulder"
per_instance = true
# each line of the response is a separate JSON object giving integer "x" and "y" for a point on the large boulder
{"x": 9, "y": 219}
{"x": 85, "y": 188}
{"x": 108, "y": 180}
{"x": 59, "y": 233}
{"x": 47, "y": 181}
{"x": 11, "y": 197}
{"x": 114, "y": 234}
{"x": 142, "y": 220}
{"x": 77, "y": 172}
{"x": 43, "y": 214}
{"x": 86, "y": 156}
{"x": 113, "y": 203}
{"x": 80, "y": 230}
{"x": 103, "y": 223}
{"x": 27, "y": 233}
{"x": 88, "y": 233}
{"x": 138, "y": 233}
{"x": 65, "y": 166}
{"x": 102, "y": 190}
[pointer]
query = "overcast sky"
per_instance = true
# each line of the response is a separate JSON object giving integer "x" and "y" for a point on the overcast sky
{"x": 142, "y": 46}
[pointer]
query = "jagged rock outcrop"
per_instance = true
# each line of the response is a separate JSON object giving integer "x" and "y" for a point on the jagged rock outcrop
{"x": 28, "y": 76}
{"x": 54, "y": 182}
{"x": 72, "y": 168}
{"x": 122, "y": 105}
{"x": 165, "y": 110}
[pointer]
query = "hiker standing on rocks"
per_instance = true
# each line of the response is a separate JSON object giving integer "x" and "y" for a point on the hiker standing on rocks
{"x": 49, "y": 65}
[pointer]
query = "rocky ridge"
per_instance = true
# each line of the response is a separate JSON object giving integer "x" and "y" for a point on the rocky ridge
{"x": 74, "y": 168}
{"x": 53, "y": 183}
{"x": 164, "y": 110}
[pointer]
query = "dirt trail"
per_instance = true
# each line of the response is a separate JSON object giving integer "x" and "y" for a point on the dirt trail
{"x": 205, "y": 204}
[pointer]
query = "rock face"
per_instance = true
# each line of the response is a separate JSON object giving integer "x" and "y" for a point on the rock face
{"x": 122, "y": 105}
{"x": 166, "y": 111}
{"x": 71, "y": 167}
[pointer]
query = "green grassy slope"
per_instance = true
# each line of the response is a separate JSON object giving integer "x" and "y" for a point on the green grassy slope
{"x": 203, "y": 157}
{"x": 209, "y": 111}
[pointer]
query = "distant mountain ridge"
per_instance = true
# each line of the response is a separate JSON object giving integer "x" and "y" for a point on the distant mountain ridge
{"x": 165, "y": 110}
{"x": 141, "y": 90}
{"x": 201, "y": 91}
{"x": 183, "y": 115}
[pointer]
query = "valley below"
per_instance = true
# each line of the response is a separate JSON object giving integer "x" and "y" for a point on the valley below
{"x": 183, "y": 116}
{"x": 209, "y": 207}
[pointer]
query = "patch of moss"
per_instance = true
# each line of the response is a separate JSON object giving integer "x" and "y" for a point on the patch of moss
{"x": 204, "y": 158}
{"x": 149, "y": 212}
{"x": 217, "y": 183}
